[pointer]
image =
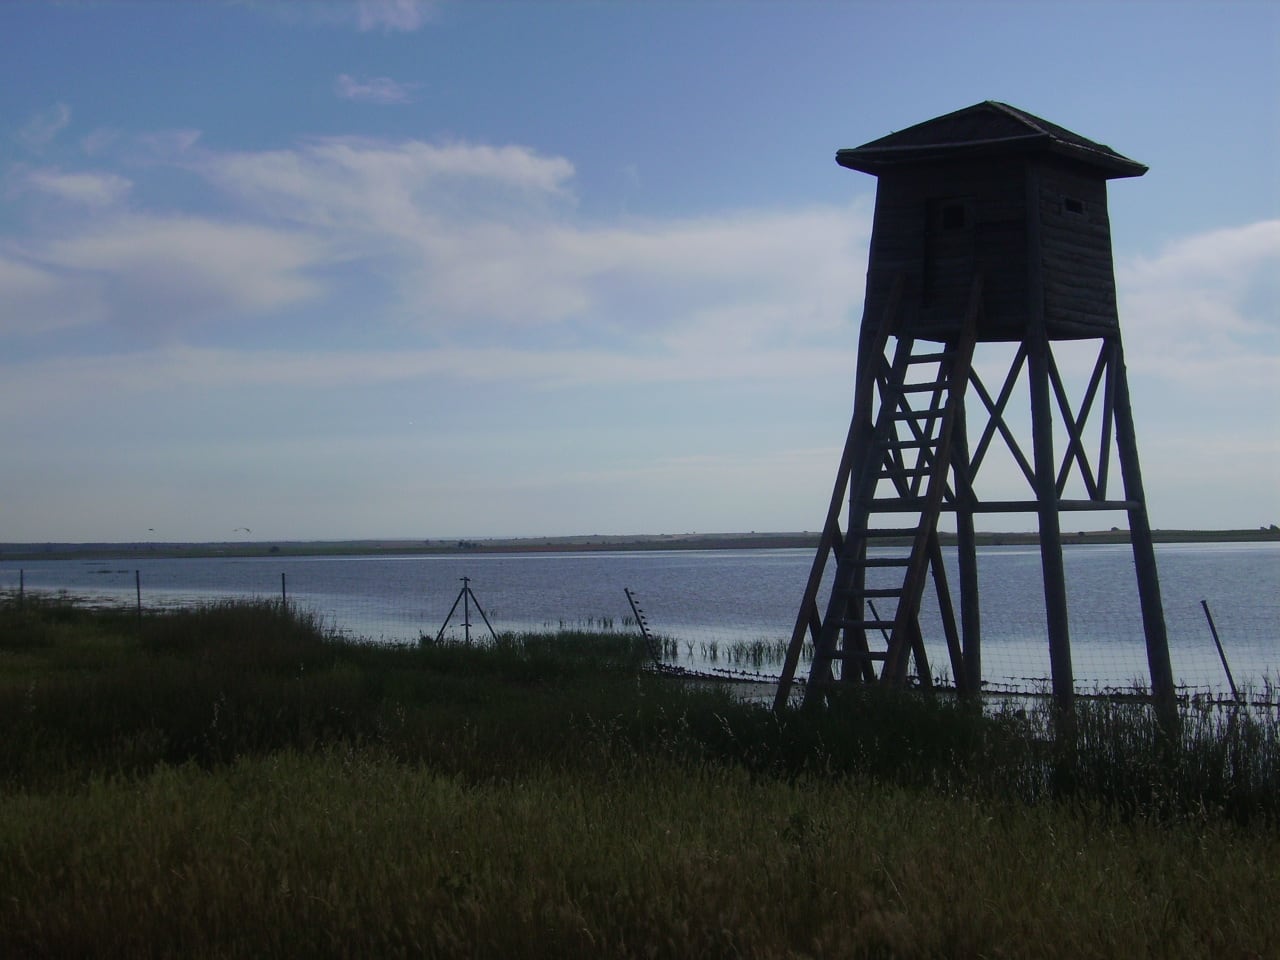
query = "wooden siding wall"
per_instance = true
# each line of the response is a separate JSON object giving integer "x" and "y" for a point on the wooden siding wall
{"x": 1075, "y": 251}
{"x": 897, "y": 248}
{"x": 914, "y": 235}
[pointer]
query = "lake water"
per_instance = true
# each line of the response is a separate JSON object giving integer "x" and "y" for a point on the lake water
{"x": 710, "y": 601}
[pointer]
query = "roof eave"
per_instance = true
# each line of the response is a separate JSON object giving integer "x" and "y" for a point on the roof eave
{"x": 878, "y": 160}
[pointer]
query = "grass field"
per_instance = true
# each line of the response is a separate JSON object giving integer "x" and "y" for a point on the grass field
{"x": 231, "y": 781}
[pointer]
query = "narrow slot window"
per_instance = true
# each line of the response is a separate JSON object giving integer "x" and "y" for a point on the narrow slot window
{"x": 1073, "y": 206}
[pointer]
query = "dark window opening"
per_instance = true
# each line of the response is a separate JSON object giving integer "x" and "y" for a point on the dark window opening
{"x": 1072, "y": 205}
{"x": 953, "y": 217}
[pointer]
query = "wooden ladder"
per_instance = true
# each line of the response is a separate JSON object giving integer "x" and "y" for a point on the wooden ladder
{"x": 896, "y": 467}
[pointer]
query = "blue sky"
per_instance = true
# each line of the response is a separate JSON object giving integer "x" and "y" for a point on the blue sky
{"x": 398, "y": 269}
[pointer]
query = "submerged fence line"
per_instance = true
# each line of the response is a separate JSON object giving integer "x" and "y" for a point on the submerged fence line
{"x": 1239, "y": 658}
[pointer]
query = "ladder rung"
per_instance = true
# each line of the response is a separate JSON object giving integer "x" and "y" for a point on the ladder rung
{"x": 883, "y": 532}
{"x": 865, "y": 624}
{"x": 905, "y": 471}
{"x": 886, "y": 562}
{"x": 922, "y": 387}
{"x": 897, "y": 504}
{"x": 892, "y": 443}
{"x": 860, "y": 655}
{"x": 917, "y": 414}
{"x": 879, "y": 592}
{"x": 931, "y": 357}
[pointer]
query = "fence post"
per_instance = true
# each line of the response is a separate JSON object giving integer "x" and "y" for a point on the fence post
{"x": 1222, "y": 654}
{"x": 22, "y": 585}
{"x": 284, "y": 594}
{"x": 137, "y": 585}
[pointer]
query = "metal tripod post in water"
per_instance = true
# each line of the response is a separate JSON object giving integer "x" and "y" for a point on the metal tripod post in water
{"x": 466, "y": 597}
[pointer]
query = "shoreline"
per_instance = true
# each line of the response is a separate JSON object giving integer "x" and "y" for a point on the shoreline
{"x": 565, "y": 544}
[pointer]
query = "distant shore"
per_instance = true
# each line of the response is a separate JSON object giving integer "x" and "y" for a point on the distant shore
{"x": 566, "y": 544}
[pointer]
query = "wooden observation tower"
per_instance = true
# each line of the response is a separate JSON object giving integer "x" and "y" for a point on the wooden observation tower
{"x": 990, "y": 229}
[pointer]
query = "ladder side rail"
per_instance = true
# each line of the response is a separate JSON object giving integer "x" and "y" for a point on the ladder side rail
{"x": 920, "y": 440}
{"x": 863, "y": 487}
{"x": 936, "y": 404}
{"x": 894, "y": 671}
{"x": 945, "y": 606}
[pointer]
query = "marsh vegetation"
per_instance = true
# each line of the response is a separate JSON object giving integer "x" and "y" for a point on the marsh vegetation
{"x": 233, "y": 780}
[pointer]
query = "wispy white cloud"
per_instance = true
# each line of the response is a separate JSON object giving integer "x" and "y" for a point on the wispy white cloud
{"x": 98, "y": 140}
{"x": 387, "y": 187}
{"x": 36, "y": 300}
{"x": 479, "y": 233}
{"x": 477, "y": 244}
{"x": 393, "y": 15}
{"x": 480, "y": 250}
{"x": 166, "y": 146}
{"x": 161, "y": 274}
{"x": 387, "y": 16}
{"x": 372, "y": 89}
{"x": 44, "y": 127}
{"x": 161, "y": 370}
{"x": 1224, "y": 257}
{"x": 1206, "y": 309}
{"x": 87, "y": 188}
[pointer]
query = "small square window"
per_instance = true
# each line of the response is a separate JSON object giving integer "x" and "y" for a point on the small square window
{"x": 953, "y": 216}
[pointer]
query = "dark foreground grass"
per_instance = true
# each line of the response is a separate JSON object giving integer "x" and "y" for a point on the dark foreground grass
{"x": 231, "y": 781}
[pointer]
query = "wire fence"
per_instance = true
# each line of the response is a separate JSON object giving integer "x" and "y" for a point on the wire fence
{"x": 1015, "y": 654}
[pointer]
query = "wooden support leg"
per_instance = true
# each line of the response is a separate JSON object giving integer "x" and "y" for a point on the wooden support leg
{"x": 1144, "y": 557}
{"x": 967, "y": 561}
{"x": 1055, "y": 582}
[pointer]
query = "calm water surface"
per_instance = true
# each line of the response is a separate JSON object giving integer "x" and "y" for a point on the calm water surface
{"x": 709, "y": 600}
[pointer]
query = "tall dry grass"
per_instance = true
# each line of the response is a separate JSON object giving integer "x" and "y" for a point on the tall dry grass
{"x": 233, "y": 781}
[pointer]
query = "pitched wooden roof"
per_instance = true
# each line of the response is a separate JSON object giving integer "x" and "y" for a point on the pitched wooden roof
{"x": 986, "y": 129}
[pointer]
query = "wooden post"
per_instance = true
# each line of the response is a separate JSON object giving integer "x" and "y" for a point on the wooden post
{"x": 1046, "y": 489}
{"x": 967, "y": 559}
{"x": 1144, "y": 554}
{"x": 1222, "y": 654}
{"x": 1055, "y": 584}
{"x": 137, "y": 584}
